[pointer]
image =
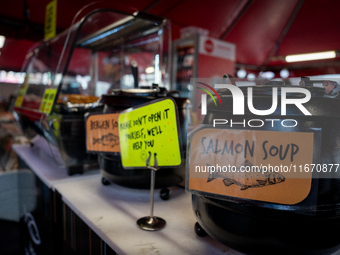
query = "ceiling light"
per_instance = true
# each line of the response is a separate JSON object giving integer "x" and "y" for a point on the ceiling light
{"x": 311, "y": 56}
{"x": 241, "y": 73}
{"x": 251, "y": 77}
{"x": 150, "y": 69}
{"x": 267, "y": 75}
{"x": 2, "y": 41}
{"x": 284, "y": 73}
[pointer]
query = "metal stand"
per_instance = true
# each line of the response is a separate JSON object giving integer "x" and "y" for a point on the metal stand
{"x": 151, "y": 223}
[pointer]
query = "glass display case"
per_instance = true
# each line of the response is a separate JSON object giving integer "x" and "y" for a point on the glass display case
{"x": 66, "y": 76}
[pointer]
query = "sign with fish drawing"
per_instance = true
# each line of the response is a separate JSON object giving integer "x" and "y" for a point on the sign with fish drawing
{"x": 150, "y": 129}
{"x": 256, "y": 165}
{"x": 102, "y": 132}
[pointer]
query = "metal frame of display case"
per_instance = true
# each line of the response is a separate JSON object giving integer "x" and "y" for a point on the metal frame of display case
{"x": 113, "y": 28}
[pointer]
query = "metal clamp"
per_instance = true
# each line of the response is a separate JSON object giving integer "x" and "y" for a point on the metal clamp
{"x": 155, "y": 166}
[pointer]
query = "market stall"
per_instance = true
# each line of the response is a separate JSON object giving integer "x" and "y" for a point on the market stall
{"x": 174, "y": 128}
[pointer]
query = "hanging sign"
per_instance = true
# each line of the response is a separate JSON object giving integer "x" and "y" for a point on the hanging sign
{"x": 102, "y": 132}
{"x": 50, "y": 19}
{"x": 216, "y": 48}
{"x": 151, "y": 129}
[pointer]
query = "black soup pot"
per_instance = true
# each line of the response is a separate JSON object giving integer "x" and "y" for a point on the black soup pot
{"x": 110, "y": 165}
{"x": 254, "y": 227}
{"x": 65, "y": 128}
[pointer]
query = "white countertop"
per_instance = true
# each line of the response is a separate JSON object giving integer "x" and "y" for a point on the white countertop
{"x": 41, "y": 164}
{"x": 112, "y": 211}
{"x": 39, "y": 159}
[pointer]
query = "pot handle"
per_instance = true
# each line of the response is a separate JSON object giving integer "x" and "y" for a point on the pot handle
{"x": 53, "y": 125}
{"x": 229, "y": 77}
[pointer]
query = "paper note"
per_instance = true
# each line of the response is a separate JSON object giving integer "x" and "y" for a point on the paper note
{"x": 149, "y": 130}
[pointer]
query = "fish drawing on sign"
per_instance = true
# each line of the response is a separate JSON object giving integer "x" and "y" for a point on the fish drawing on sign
{"x": 107, "y": 140}
{"x": 247, "y": 179}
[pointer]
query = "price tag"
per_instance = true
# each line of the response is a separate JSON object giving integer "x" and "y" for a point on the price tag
{"x": 50, "y": 19}
{"x": 48, "y": 99}
{"x": 22, "y": 92}
{"x": 150, "y": 129}
{"x": 102, "y": 132}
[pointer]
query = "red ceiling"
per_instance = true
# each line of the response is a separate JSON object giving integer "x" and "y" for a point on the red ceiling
{"x": 13, "y": 53}
{"x": 257, "y": 27}
{"x": 257, "y": 32}
{"x": 317, "y": 27}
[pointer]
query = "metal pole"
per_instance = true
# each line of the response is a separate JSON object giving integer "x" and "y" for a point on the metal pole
{"x": 151, "y": 222}
{"x": 152, "y": 191}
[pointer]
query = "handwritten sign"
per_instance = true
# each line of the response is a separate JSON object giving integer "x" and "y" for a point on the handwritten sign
{"x": 257, "y": 165}
{"x": 102, "y": 133}
{"x": 150, "y": 129}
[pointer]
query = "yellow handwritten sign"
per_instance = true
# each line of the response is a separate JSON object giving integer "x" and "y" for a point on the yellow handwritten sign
{"x": 149, "y": 130}
{"x": 50, "y": 19}
{"x": 102, "y": 132}
{"x": 48, "y": 99}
